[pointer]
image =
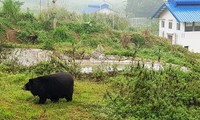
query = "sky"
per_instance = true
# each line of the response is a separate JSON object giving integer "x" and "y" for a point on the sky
{"x": 71, "y": 5}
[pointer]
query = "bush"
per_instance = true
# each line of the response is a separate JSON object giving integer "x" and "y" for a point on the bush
{"x": 46, "y": 39}
{"x": 122, "y": 52}
{"x": 148, "y": 94}
{"x": 48, "y": 45}
{"x": 22, "y": 35}
{"x": 85, "y": 27}
{"x": 61, "y": 34}
{"x": 27, "y": 28}
{"x": 27, "y": 17}
{"x": 56, "y": 65}
{"x": 138, "y": 39}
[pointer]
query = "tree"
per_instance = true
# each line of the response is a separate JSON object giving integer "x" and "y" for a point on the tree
{"x": 11, "y": 9}
{"x": 142, "y": 8}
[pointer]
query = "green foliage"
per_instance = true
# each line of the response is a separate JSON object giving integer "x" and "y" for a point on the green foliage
{"x": 62, "y": 16}
{"x": 57, "y": 65}
{"x": 120, "y": 23}
{"x": 46, "y": 39}
{"x": 29, "y": 25}
{"x": 86, "y": 40}
{"x": 98, "y": 74}
{"x": 48, "y": 45}
{"x": 12, "y": 67}
{"x": 27, "y": 17}
{"x": 148, "y": 94}
{"x": 11, "y": 9}
{"x": 125, "y": 52}
{"x": 27, "y": 28}
{"x": 4, "y": 23}
{"x": 138, "y": 39}
{"x": 15, "y": 103}
{"x": 62, "y": 34}
{"x": 85, "y": 27}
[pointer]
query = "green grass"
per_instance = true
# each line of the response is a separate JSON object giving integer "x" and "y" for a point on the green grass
{"x": 17, "y": 104}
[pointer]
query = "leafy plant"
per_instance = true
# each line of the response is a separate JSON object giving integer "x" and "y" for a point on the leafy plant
{"x": 149, "y": 94}
{"x": 11, "y": 9}
{"x": 61, "y": 34}
{"x": 138, "y": 39}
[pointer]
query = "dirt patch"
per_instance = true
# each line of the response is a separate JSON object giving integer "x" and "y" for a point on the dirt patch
{"x": 11, "y": 35}
{"x": 125, "y": 39}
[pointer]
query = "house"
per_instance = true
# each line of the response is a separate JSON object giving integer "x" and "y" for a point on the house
{"x": 179, "y": 21}
{"x": 98, "y": 8}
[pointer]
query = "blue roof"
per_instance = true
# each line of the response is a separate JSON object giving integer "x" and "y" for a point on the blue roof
{"x": 182, "y": 10}
{"x": 184, "y": 2}
{"x": 92, "y": 8}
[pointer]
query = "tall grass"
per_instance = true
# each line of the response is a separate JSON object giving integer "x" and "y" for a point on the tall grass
{"x": 147, "y": 94}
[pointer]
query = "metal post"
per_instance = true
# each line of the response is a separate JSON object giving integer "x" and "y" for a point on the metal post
{"x": 40, "y": 6}
{"x": 113, "y": 25}
{"x": 54, "y": 19}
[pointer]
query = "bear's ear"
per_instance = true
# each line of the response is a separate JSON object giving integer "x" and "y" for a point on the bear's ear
{"x": 30, "y": 81}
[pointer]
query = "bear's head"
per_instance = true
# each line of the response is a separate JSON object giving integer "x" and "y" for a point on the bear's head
{"x": 28, "y": 85}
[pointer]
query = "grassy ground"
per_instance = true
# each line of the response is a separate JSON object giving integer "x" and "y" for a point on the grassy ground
{"x": 17, "y": 104}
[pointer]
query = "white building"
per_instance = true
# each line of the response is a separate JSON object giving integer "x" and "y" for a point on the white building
{"x": 179, "y": 21}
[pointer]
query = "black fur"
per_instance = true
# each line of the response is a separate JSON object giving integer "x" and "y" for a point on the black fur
{"x": 53, "y": 87}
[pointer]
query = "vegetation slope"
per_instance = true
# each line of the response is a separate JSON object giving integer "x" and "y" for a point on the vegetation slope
{"x": 134, "y": 93}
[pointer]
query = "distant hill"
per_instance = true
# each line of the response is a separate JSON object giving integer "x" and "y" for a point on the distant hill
{"x": 142, "y": 8}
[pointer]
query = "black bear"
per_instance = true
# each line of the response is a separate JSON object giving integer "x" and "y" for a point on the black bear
{"x": 53, "y": 87}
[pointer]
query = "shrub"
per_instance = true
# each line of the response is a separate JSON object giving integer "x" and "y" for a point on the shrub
{"x": 46, "y": 39}
{"x": 57, "y": 65}
{"x": 99, "y": 74}
{"x": 85, "y": 27}
{"x": 61, "y": 34}
{"x": 48, "y": 45}
{"x": 138, "y": 39}
{"x": 27, "y": 17}
{"x": 11, "y": 10}
{"x": 148, "y": 94}
{"x": 27, "y": 28}
{"x": 22, "y": 35}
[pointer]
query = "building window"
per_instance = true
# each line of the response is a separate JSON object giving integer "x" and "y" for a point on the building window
{"x": 178, "y": 26}
{"x": 197, "y": 26}
{"x": 187, "y": 47}
{"x": 162, "y": 23}
{"x": 170, "y": 25}
{"x": 188, "y": 27}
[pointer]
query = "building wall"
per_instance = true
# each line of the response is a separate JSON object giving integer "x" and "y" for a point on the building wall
{"x": 180, "y": 37}
{"x": 106, "y": 11}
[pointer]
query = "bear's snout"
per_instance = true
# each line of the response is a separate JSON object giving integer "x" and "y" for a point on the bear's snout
{"x": 23, "y": 88}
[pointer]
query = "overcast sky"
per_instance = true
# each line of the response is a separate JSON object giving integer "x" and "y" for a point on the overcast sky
{"x": 72, "y": 5}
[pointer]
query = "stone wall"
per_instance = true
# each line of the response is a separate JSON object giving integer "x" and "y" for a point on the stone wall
{"x": 24, "y": 56}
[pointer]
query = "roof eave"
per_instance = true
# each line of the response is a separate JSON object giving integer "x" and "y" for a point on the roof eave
{"x": 161, "y": 9}
{"x": 156, "y": 14}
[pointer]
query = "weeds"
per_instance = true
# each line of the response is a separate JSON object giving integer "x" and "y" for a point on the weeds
{"x": 149, "y": 94}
